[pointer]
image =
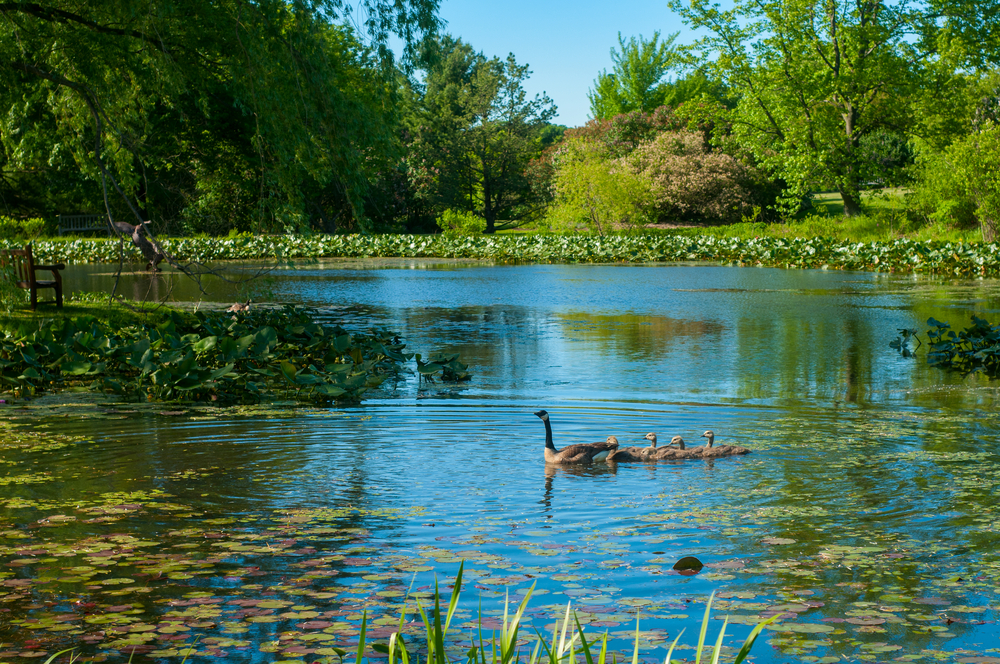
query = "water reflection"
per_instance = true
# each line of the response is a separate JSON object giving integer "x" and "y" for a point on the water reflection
{"x": 871, "y": 488}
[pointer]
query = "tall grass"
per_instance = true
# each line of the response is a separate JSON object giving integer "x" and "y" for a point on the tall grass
{"x": 567, "y": 643}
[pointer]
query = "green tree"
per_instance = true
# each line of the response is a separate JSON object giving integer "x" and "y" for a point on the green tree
{"x": 153, "y": 96}
{"x": 474, "y": 132}
{"x": 636, "y": 81}
{"x": 813, "y": 77}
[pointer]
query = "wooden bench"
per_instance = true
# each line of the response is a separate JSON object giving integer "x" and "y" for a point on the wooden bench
{"x": 22, "y": 264}
{"x": 78, "y": 223}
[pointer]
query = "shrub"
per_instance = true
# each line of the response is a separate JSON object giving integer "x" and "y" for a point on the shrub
{"x": 11, "y": 297}
{"x": 689, "y": 181}
{"x": 597, "y": 193}
{"x": 457, "y": 223}
{"x": 886, "y": 155}
{"x": 960, "y": 186}
{"x": 20, "y": 229}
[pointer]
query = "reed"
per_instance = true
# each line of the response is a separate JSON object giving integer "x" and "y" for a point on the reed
{"x": 568, "y": 642}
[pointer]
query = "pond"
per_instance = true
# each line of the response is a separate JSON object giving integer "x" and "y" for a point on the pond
{"x": 867, "y": 514}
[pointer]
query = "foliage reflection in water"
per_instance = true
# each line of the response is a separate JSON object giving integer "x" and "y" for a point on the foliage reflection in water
{"x": 866, "y": 517}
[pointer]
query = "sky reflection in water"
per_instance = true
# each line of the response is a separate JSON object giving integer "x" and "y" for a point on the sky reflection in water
{"x": 866, "y": 513}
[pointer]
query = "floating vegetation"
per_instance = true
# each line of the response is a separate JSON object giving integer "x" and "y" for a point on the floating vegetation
{"x": 210, "y": 356}
{"x": 976, "y": 349}
{"x": 120, "y": 565}
{"x": 930, "y": 256}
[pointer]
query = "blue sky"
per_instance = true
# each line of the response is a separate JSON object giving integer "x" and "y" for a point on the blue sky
{"x": 565, "y": 43}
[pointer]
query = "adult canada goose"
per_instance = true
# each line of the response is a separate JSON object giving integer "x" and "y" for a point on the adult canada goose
{"x": 584, "y": 453}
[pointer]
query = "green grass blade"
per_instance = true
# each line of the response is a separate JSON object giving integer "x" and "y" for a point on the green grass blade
{"x": 548, "y": 650}
{"x": 635, "y": 653}
{"x": 562, "y": 633}
{"x": 438, "y": 646}
{"x": 748, "y": 644}
{"x": 672, "y": 646}
{"x": 583, "y": 641}
{"x": 603, "y": 657}
{"x": 704, "y": 630}
{"x": 361, "y": 637}
{"x": 508, "y": 637}
{"x": 53, "y": 658}
{"x": 456, "y": 591}
{"x": 718, "y": 642}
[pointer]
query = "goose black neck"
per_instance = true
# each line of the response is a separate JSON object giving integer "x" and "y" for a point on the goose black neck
{"x": 548, "y": 434}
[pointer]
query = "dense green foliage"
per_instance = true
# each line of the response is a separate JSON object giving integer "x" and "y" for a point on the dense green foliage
{"x": 473, "y": 131}
{"x": 839, "y": 94}
{"x": 669, "y": 165}
{"x": 200, "y": 116}
{"x": 959, "y": 258}
{"x": 214, "y": 356}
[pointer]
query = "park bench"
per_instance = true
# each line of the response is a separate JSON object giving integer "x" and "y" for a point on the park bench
{"x": 78, "y": 223}
{"x": 21, "y": 264}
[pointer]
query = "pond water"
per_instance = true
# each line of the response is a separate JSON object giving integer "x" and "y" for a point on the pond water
{"x": 867, "y": 514}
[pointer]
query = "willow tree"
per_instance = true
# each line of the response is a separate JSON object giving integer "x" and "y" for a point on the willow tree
{"x": 270, "y": 100}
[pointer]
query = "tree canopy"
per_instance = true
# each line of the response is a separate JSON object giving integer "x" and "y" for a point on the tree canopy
{"x": 275, "y": 108}
{"x": 636, "y": 81}
{"x": 814, "y": 78}
{"x": 474, "y": 130}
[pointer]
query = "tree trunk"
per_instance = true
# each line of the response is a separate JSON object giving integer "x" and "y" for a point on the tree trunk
{"x": 987, "y": 226}
{"x": 852, "y": 202}
{"x": 488, "y": 211}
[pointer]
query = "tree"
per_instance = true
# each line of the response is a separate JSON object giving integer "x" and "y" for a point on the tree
{"x": 814, "y": 77}
{"x": 150, "y": 97}
{"x": 636, "y": 81}
{"x": 474, "y": 131}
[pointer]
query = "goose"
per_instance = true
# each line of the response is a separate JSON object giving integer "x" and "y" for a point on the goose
{"x": 585, "y": 453}
{"x": 240, "y": 307}
{"x": 676, "y": 441}
{"x": 708, "y": 451}
{"x": 651, "y": 453}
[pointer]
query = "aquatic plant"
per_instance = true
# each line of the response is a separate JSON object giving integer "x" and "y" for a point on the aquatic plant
{"x": 210, "y": 356}
{"x": 567, "y": 642}
{"x": 976, "y": 349}
{"x": 959, "y": 258}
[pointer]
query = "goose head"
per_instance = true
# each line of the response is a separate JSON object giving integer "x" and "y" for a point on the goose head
{"x": 678, "y": 441}
{"x": 542, "y": 414}
{"x": 613, "y": 440}
{"x": 651, "y": 437}
{"x": 710, "y": 436}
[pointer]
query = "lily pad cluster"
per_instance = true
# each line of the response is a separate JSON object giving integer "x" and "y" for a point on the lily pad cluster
{"x": 976, "y": 349}
{"x": 904, "y": 255}
{"x": 211, "y": 356}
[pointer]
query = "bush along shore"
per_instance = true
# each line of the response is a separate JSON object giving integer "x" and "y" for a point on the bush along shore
{"x": 903, "y": 255}
{"x": 213, "y": 356}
